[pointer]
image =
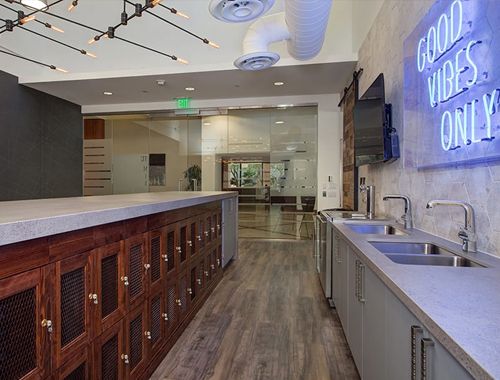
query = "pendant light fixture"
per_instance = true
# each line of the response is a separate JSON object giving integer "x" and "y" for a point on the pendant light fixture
{"x": 38, "y": 5}
{"x": 73, "y": 5}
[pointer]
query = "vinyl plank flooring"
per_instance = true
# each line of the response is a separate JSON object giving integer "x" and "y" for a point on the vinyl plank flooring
{"x": 267, "y": 319}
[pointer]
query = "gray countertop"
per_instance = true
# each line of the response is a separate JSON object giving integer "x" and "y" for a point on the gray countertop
{"x": 459, "y": 306}
{"x": 31, "y": 219}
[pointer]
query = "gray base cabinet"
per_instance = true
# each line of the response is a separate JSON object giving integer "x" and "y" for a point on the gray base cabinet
{"x": 387, "y": 341}
{"x": 413, "y": 352}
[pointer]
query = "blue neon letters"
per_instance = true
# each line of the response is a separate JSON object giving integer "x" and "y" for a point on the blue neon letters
{"x": 447, "y": 59}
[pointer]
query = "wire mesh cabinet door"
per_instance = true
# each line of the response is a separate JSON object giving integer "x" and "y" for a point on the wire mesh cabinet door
{"x": 182, "y": 247}
{"x": 74, "y": 305}
{"x": 171, "y": 244}
{"x": 136, "y": 270}
{"x": 156, "y": 260}
{"x": 110, "y": 288}
{"x": 109, "y": 355}
{"x": 136, "y": 337}
{"x": 193, "y": 243}
{"x": 172, "y": 304}
{"x": 218, "y": 260}
{"x": 193, "y": 282}
{"x": 184, "y": 296}
{"x": 157, "y": 322}
{"x": 76, "y": 368}
{"x": 25, "y": 327}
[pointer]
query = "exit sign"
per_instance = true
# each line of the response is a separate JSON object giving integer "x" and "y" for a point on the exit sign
{"x": 183, "y": 103}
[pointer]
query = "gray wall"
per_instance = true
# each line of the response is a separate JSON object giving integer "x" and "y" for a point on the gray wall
{"x": 40, "y": 144}
{"x": 479, "y": 185}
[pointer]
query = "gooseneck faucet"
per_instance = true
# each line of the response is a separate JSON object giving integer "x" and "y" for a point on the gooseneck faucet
{"x": 467, "y": 233}
{"x": 408, "y": 216}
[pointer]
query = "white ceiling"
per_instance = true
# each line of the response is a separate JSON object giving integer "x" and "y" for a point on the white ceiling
{"x": 130, "y": 72}
{"x": 299, "y": 80}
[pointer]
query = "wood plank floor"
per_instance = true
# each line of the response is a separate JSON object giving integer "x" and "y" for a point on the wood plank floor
{"x": 267, "y": 319}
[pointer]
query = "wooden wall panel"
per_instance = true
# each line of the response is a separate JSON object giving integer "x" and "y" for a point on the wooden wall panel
{"x": 350, "y": 175}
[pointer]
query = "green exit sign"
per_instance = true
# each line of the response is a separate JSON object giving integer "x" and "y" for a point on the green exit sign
{"x": 183, "y": 103}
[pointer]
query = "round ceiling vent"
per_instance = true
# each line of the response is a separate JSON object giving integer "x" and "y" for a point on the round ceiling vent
{"x": 256, "y": 61}
{"x": 239, "y": 10}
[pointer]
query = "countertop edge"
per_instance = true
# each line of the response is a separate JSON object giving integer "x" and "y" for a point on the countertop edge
{"x": 29, "y": 229}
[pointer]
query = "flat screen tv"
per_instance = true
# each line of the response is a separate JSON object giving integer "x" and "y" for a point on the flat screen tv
{"x": 374, "y": 138}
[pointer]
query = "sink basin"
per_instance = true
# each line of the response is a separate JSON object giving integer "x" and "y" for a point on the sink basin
{"x": 411, "y": 248}
{"x": 446, "y": 261}
{"x": 375, "y": 229}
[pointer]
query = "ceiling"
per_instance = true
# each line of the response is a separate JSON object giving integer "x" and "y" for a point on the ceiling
{"x": 118, "y": 59}
{"x": 310, "y": 79}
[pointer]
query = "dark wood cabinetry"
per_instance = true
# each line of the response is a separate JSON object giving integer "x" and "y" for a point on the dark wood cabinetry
{"x": 109, "y": 302}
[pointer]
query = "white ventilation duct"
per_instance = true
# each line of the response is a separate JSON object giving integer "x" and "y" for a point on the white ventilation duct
{"x": 303, "y": 25}
{"x": 239, "y": 10}
{"x": 260, "y": 35}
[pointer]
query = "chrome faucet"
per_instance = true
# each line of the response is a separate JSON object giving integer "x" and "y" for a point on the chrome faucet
{"x": 408, "y": 216}
{"x": 467, "y": 233}
{"x": 369, "y": 190}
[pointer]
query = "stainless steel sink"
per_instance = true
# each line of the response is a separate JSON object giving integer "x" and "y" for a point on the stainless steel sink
{"x": 375, "y": 229}
{"x": 411, "y": 248}
{"x": 437, "y": 260}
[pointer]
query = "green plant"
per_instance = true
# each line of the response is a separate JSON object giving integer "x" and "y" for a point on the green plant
{"x": 193, "y": 172}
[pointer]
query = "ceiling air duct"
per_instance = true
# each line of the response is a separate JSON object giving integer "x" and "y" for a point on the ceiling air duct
{"x": 239, "y": 10}
{"x": 303, "y": 25}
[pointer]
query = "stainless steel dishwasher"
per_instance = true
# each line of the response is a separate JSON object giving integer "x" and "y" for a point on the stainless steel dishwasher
{"x": 323, "y": 254}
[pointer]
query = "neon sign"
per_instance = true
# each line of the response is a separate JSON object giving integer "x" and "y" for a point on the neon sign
{"x": 451, "y": 91}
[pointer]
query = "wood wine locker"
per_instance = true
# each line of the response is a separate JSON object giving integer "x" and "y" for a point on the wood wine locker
{"x": 106, "y": 302}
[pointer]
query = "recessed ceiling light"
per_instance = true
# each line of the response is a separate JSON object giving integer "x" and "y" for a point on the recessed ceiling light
{"x": 280, "y": 122}
{"x": 189, "y": 88}
{"x": 107, "y": 93}
{"x": 160, "y": 82}
{"x": 279, "y": 83}
{"x": 207, "y": 124}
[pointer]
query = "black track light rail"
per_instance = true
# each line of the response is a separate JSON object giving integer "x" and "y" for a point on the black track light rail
{"x": 82, "y": 51}
{"x": 17, "y": 23}
{"x": 145, "y": 9}
{"x": 173, "y": 57}
{"x": 28, "y": 59}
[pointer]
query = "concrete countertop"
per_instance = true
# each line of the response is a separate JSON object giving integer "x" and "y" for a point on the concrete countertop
{"x": 459, "y": 306}
{"x": 31, "y": 219}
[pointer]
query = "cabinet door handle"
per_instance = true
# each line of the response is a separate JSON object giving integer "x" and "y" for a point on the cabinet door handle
{"x": 206, "y": 273}
{"x": 415, "y": 330}
{"x": 125, "y": 280}
{"x": 179, "y": 249}
{"x": 198, "y": 281}
{"x": 178, "y": 302}
{"x": 218, "y": 226}
{"x": 165, "y": 317}
{"x": 218, "y": 262}
{"x": 206, "y": 233}
{"x": 146, "y": 267}
{"x": 356, "y": 279}
{"x": 212, "y": 266}
{"x": 93, "y": 298}
{"x": 47, "y": 323}
{"x": 147, "y": 334}
{"x": 165, "y": 258}
{"x": 425, "y": 343}
{"x": 190, "y": 291}
{"x": 190, "y": 243}
{"x": 125, "y": 358}
{"x": 198, "y": 237}
{"x": 212, "y": 229}
{"x": 361, "y": 267}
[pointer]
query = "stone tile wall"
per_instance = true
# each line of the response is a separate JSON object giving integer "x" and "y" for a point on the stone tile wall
{"x": 382, "y": 51}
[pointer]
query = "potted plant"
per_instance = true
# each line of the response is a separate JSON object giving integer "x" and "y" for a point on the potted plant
{"x": 193, "y": 172}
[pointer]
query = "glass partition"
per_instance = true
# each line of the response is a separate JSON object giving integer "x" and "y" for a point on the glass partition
{"x": 267, "y": 155}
